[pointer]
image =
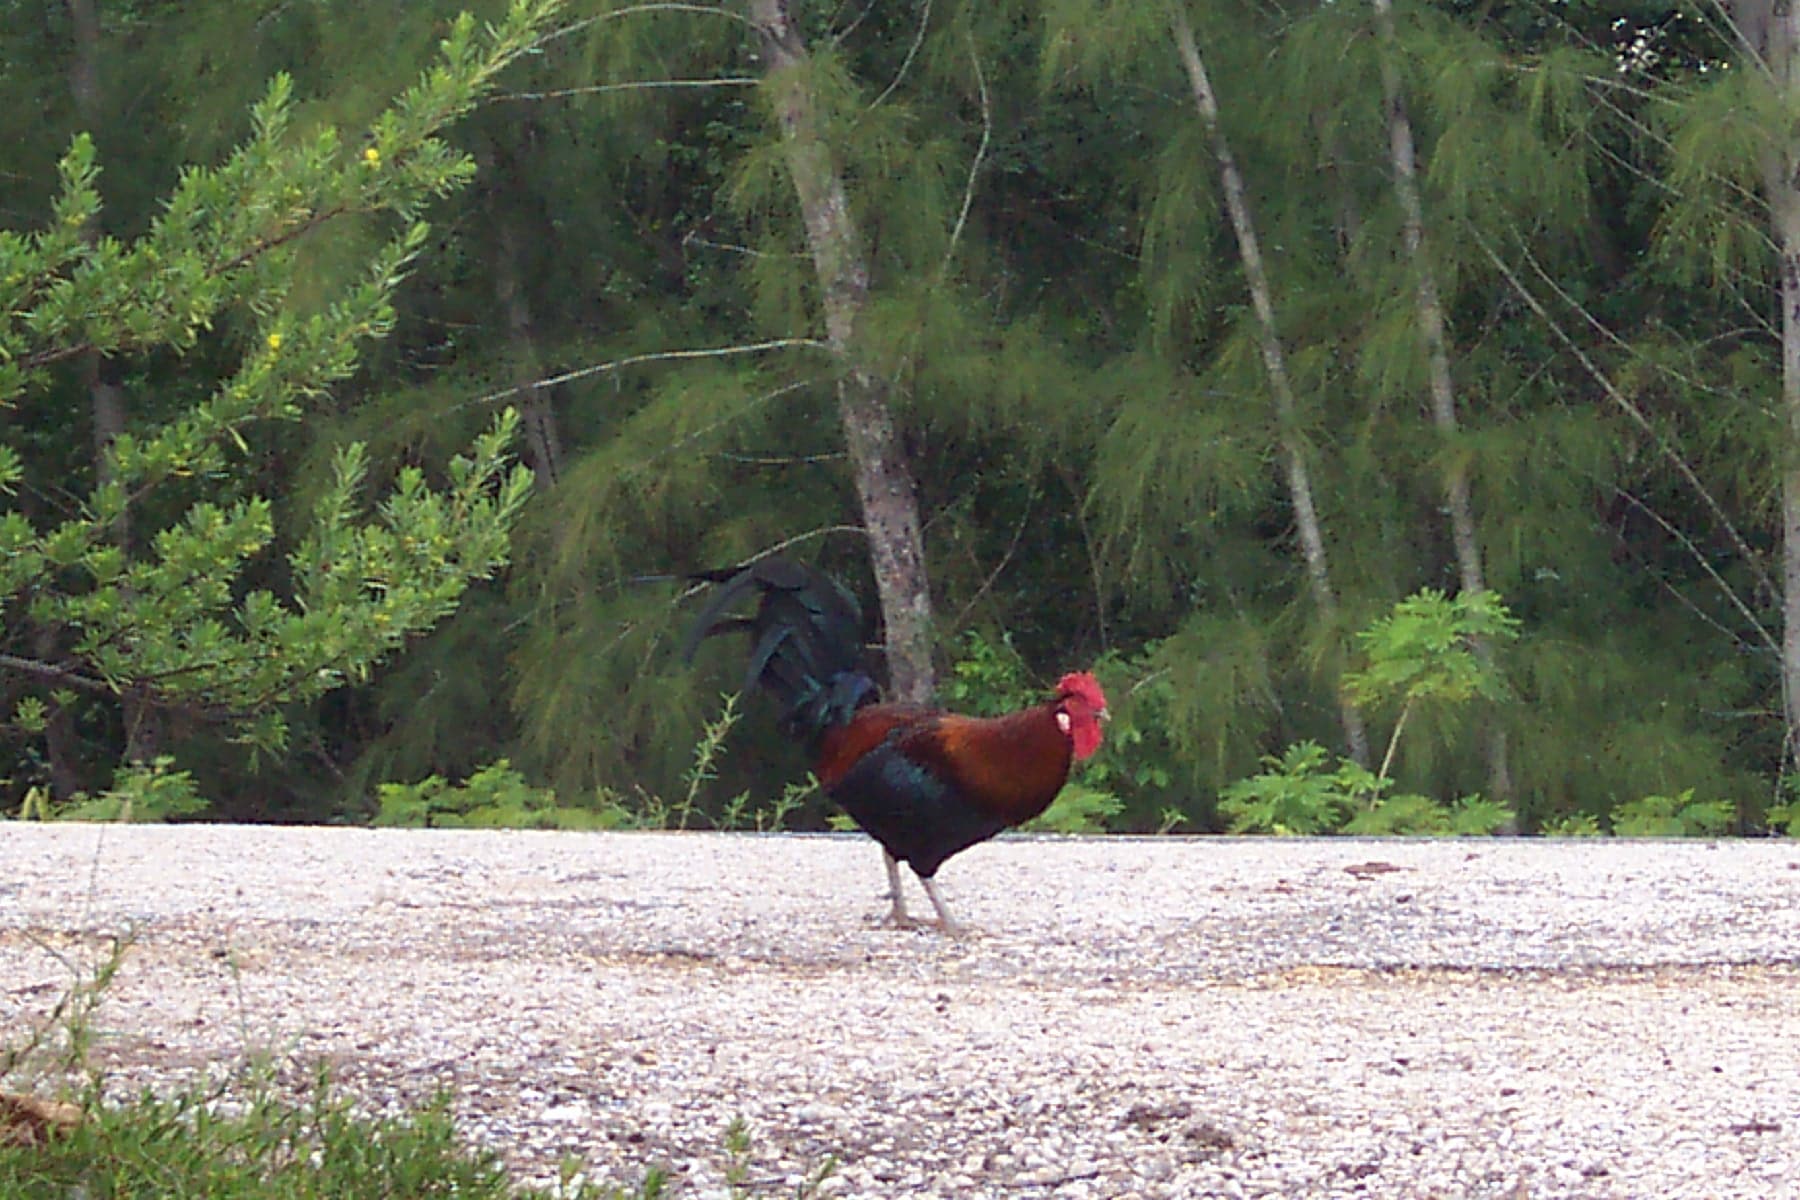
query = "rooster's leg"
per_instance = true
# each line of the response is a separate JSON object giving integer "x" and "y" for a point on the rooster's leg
{"x": 948, "y": 922}
{"x": 895, "y": 895}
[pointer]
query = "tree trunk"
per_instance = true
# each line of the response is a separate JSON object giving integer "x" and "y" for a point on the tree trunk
{"x": 1350, "y": 223}
{"x": 1786, "y": 205}
{"x": 1457, "y": 498}
{"x": 106, "y": 399}
{"x": 1299, "y": 480}
{"x": 1772, "y": 32}
{"x": 537, "y": 410}
{"x": 1769, "y": 32}
{"x": 884, "y": 482}
{"x": 62, "y": 747}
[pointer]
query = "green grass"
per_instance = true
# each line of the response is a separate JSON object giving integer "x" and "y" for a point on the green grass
{"x": 252, "y": 1140}
{"x": 260, "y": 1146}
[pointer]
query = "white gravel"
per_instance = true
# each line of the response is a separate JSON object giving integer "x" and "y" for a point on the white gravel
{"x": 1159, "y": 1018}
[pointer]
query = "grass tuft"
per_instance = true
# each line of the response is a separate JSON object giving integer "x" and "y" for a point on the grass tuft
{"x": 260, "y": 1146}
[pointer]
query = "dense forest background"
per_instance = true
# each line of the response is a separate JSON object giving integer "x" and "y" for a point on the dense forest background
{"x": 1208, "y": 333}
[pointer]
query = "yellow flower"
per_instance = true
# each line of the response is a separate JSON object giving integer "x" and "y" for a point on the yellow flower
{"x": 372, "y": 156}
{"x": 274, "y": 341}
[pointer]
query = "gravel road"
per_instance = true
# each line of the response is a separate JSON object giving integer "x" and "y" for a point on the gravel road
{"x": 1157, "y": 1018}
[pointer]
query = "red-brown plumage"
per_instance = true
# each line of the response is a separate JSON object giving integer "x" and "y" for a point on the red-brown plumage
{"x": 928, "y": 784}
{"x": 841, "y": 746}
{"x": 1010, "y": 767}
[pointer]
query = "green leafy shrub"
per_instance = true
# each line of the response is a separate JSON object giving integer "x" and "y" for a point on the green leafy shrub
{"x": 157, "y": 792}
{"x": 988, "y": 678}
{"x": 34, "y": 805}
{"x": 1407, "y": 813}
{"x": 1477, "y": 816}
{"x": 177, "y": 617}
{"x": 1412, "y": 814}
{"x": 1298, "y": 794}
{"x": 495, "y": 797}
{"x": 772, "y": 817}
{"x": 1784, "y": 818}
{"x": 1424, "y": 652}
{"x": 1673, "y": 816}
{"x": 1076, "y": 809}
{"x": 1136, "y": 760}
{"x": 1581, "y": 824}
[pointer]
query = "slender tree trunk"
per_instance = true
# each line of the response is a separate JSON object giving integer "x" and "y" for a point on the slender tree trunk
{"x": 61, "y": 743}
{"x": 1769, "y": 33}
{"x": 1786, "y": 205}
{"x": 1349, "y": 225}
{"x": 1299, "y": 480}
{"x": 106, "y": 399}
{"x": 61, "y": 748}
{"x": 1457, "y": 497}
{"x": 537, "y": 409}
{"x": 884, "y": 482}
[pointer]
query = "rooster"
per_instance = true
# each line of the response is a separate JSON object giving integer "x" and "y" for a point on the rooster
{"x": 924, "y": 783}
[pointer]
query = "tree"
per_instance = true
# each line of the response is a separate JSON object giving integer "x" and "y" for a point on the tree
{"x": 1770, "y": 33}
{"x": 165, "y": 616}
{"x": 1281, "y": 390}
{"x": 1459, "y": 504}
{"x": 884, "y": 479}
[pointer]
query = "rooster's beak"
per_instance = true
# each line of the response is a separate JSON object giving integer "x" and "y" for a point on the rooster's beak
{"x": 1104, "y": 716}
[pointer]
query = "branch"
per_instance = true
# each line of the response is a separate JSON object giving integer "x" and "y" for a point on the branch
{"x": 692, "y": 238}
{"x": 1730, "y": 592}
{"x": 1079, "y": 508}
{"x": 987, "y": 131}
{"x": 1387, "y": 760}
{"x": 710, "y": 10}
{"x": 994, "y": 575}
{"x": 1624, "y": 402}
{"x": 780, "y": 460}
{"x": 1742, "y": 37}
{"x": 728, "y": 418}
{"x": 620, "y": 364}
{"x": 56, "y": 672}
{"x": 263, "y": 245}
{"x": 255, "y": 250}
{"x": 838, "y": 37}
{"x": 906, "y": 63}
{"x": 632, "y": 86}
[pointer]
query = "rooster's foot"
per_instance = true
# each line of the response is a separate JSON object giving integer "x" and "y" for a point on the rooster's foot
{"x": 900, "y": 919}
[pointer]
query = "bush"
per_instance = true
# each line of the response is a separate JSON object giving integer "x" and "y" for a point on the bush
{"x": 1296, "y": 795}
{"x": 495, "y": 797}
{"x": 1673, "y": 816}
{"x": 157, "y": 792}
{"x": 1423, "y": 653}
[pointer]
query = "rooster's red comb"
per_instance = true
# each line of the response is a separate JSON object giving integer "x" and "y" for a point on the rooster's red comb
{"x": 1083, "y": 685}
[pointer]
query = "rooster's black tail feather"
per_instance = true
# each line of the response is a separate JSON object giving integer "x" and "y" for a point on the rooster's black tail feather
{"x": 806, "y": 641}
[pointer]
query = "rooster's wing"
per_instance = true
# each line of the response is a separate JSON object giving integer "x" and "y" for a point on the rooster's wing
{"x": 911, "y": 806}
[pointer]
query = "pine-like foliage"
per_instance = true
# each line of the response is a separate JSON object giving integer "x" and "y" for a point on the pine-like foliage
{"x": 176, "y": 615}
{"x": 1058, "y": 311}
